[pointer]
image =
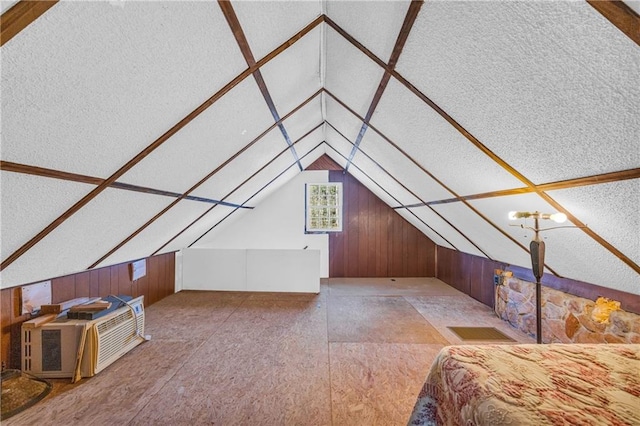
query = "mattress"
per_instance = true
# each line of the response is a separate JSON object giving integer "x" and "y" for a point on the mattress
{"x": 591, "y": 384}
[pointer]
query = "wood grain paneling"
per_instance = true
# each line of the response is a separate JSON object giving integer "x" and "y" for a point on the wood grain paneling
{"x": 473, "y": 275}
{"x": 376, "y": 241}
{"x": 324, "y": 162}
{"x": 157, "y": 284}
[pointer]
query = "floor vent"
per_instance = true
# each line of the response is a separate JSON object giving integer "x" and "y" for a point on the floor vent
{"x": 481, "y": 333}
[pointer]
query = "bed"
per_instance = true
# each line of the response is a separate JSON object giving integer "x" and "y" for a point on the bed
{"x": 591, "y": 384}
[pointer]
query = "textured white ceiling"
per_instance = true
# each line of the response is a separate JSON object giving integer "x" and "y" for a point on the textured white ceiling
{"x": 350, "y": 75}
{"x": 610, "y": 210}
{"x": 374, "y": 24}
{"x": 206, "y": 142}
{"x": 294, "y": 75}
{"x": 400, "y": 166}
{"x": 551, "y": 87}
{"x": 118, "y": 78}
{"x": 305, "y": 119}
{"x": 85, "y": 237}
{"x": 243, "y": 166}
{"x": 384, "y": 179}
{"x": 569, "y": 251}
{"x": 436, "y": 145}
{"x": 159, "y": 232}
{"x": 29, "y": 203}
{"x": 268, "y": 24}
{"x": 340, "y": 118}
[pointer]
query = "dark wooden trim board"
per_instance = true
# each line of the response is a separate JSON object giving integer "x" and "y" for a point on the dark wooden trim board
{"x": 620, "y": 15}
{"x": 20, "y": 16}
{"x": 473, "y": 275}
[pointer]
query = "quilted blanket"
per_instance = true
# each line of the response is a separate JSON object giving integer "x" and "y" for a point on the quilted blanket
{"x": 556, "y": 384}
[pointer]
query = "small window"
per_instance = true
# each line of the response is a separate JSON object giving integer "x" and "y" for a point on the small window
{"x": 324, "y": 207}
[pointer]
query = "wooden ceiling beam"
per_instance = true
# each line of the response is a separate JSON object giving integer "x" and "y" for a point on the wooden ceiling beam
{"x": 483, "y": 148}
{"x": 20, "y": 16}
{"x": 409, "y": 20}
{"x": 620, "y": 15}
{"x": 551, "y": 186}
{"x": 200, "y": 182}
{"x": 266, "y": 185}
{"x": 456, "y": 196}
{"x": 236, "y": 188}
{"x": 149, "y": 149}
{"x": 8, "y": 166}
{"x": 243, "y": 44}
{"x": 408, "y": 190}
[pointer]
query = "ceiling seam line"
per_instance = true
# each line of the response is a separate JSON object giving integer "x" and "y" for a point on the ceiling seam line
{"x": 407, "y": 24}
{"x": 256, "y": 193}
{"x": 504, "y": 233}
{"x": 238, "y": 33}
{"x": 141, "y": 155}
{"x": 413, "y": 194}
{"x": 203, "y": 180}
{"x": 46, "y": 173}
{"x": 235, "y": 189}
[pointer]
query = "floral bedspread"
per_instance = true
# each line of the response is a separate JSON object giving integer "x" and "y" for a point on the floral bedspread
{"x": 556, "y": 384}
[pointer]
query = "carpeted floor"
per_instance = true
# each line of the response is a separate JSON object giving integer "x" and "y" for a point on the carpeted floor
{"x": 356, "y": 354}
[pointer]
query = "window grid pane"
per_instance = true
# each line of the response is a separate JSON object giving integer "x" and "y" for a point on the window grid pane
{"x": 323, "y": 207}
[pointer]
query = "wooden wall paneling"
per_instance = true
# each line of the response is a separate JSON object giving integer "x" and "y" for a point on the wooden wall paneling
{"x": 142, "y": 287}
{"x": 154, "y": 277}
{"x": 126, "y": 287}
{"x": 94, "y": 283}
{"x": 363, "y": 227}
{"x": 114, "y": 283}
{"x": 6, "y": 316}
{"x": 376, "y": 241}
{"x": 63, "y": 288}
{"x": 104, "y": 282}
{"x": 83, "y": 284}
{"x": 475, "y": 278}
{"x": 170, "y": 267}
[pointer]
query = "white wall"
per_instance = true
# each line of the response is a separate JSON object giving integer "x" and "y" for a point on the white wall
{"x": 295, "y": 271}
{"x": 276, "y": 223}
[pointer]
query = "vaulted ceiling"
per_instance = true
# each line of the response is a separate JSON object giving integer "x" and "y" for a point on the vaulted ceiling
{"x": 133, "y": 128}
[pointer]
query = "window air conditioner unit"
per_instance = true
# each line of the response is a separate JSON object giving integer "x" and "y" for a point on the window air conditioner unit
{"x": 51, "y": 350}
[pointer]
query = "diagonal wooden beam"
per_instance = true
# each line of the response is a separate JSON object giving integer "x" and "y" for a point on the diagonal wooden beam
{"x": 243, "y": 43}
{"x": 8, "y": 166}
{"x": 149, "y": 149}
{"x": 483, "y": 148}
{"x": 409, "y": 191}
{"x": 551, "y": 186}
{"x": 409, "y": 20}
{"x": 266, "y": 185}
{"x": 20, "y": 16}
{"x": 417, "y": 164}
{"x": 235, "y": 189}
{"x": 200, "y": 182}
{"x": 620, "y": 15}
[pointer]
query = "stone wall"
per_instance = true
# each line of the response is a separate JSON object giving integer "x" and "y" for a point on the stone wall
{"x": 565, "y": 318}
